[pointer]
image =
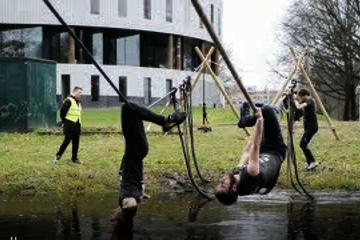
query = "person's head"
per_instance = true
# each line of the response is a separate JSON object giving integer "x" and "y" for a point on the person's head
{"x": 77, "y": 92}
{"x": 225, "y": 191}
{"x": 303, "y": 94}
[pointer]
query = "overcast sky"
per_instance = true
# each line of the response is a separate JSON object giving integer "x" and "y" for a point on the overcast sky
{"x": 250, "y": 28}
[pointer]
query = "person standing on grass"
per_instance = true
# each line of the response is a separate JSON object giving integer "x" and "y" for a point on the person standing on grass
{"x": 70, "y": 115}
{"x": 136, "y": 149}
{"x": 304, "y": 101}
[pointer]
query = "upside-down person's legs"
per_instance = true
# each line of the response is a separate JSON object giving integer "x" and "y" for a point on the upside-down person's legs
{"x": 272, "y": 139}
{"x": 272, "y": 136}
{"x": 167, "y": 123}
{"x": 136, "y": 149}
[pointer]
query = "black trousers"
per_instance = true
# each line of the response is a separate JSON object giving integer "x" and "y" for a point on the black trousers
{"x": 72, "y": 134}
{"x": 136, "y": 147}
{"x": 304, "y": 143}
{"x": 272, "y": 139}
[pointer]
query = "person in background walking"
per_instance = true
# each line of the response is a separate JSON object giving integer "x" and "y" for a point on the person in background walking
{"x": 70, "y": 115}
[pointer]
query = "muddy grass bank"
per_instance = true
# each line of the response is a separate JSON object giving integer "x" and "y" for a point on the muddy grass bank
{"x": 26, "y": 161}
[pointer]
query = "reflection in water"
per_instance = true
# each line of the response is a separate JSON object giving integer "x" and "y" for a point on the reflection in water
{"x": 184, "y": 217}
{"x": 69, "y": 227}
{"x": 301, "y": 219}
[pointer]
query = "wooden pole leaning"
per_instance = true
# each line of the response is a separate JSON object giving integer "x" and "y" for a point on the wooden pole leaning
{"x": 312, "y": 89}
{"x": 161, "y": 112}
{"x": 278, "y": 96}
{"x": 290, "y": 76}
{"x": 203, "y": 66}
{"x": 220, "y": 87}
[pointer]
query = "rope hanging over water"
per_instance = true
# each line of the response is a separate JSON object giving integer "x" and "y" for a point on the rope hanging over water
{"x": 291, "y": 156}
{"x": 185, "y": 98}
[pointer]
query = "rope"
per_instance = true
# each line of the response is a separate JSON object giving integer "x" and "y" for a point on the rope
{"x": 291, "y": 148}
{"x": 184, "y": 143}
{"x": 191, "y": 129}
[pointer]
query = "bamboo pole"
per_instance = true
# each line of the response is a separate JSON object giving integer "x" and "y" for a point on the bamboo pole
{"x": 220, "y": 87}
{"x": 290, "y": 76}
{"x": 315, "y": 94}
{"x": 276, "y": 99}
{"x": 203, "y": 66}
{"x": 166, "y": 105}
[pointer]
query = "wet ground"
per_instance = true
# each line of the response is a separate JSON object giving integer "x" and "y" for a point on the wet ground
{"x": 276, "y": 216}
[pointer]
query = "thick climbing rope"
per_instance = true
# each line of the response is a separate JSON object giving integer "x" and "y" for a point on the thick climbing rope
{"x": 291, "y": 156}
{"x": 185, "y": 93}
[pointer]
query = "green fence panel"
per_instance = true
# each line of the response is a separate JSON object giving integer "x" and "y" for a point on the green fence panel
{"x": 28, "y": 94}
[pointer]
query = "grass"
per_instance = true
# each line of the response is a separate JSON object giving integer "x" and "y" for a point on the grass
{"x": 26, "y": 159}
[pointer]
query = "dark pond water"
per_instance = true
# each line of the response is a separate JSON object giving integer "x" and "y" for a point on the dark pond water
{"x": 170, "y": 216}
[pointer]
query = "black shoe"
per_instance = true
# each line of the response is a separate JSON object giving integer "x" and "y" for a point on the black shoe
{"x": 174, "y": 119}
{"x": 244, "y": 113}
{"x": 259, "y": 104}
{"x": 76, "y": 161}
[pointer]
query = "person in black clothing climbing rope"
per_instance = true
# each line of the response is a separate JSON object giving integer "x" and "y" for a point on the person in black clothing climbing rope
{"x": 261, "y": 161}
{"x": 136, "y": 149}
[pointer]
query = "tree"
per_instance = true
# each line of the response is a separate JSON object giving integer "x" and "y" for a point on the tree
{"x": 331, "y": 29}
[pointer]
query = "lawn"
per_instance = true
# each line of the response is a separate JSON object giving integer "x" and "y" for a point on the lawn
{"x": 26, "y": 159}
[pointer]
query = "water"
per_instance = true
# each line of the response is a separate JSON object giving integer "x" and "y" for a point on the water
{"x": 170, "y": 216}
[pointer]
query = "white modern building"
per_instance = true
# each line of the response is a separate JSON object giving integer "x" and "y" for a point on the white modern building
{"x": 145, "y": 46}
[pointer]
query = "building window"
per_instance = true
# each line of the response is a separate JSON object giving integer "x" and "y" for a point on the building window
{"x": 128, "y": 50}
{"x": 65, "y": 85}
{"x": 147, "y": 91}
{"x": 169, "y": 10}
{"x": 154, "y": 50}
{"x": 95, "y": 88}
{"x": 95, "y": 6}
{"x": 122, "y": 8}
{"x": 219, "y": 21}
{"x": 147, "y": 9}
{"x": 123, "y": 86}
{"x": 212, "y": 13}
{"x": 169, "y": 85}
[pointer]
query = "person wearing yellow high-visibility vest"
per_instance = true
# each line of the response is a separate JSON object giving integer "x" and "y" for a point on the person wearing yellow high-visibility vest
{"x": 70, "y": 115}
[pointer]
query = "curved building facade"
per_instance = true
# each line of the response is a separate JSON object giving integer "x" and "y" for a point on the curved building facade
{"x": 145, "y": 46}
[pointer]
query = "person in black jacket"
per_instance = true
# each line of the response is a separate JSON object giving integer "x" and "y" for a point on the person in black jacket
{"x": 303, "y": 100}
{"x": 70, "y": 115}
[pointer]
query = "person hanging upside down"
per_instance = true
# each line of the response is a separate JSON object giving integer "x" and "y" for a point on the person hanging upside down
{"x": 261, "y": 161}
{"x": 136, "y": 149}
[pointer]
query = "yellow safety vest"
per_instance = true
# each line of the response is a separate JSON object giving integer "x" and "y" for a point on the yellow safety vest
{"x": 74, "y": 113}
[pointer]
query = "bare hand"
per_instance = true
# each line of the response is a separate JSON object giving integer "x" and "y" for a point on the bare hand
{"x": 295, "y": 96}
{"x": 258, "y": 113}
